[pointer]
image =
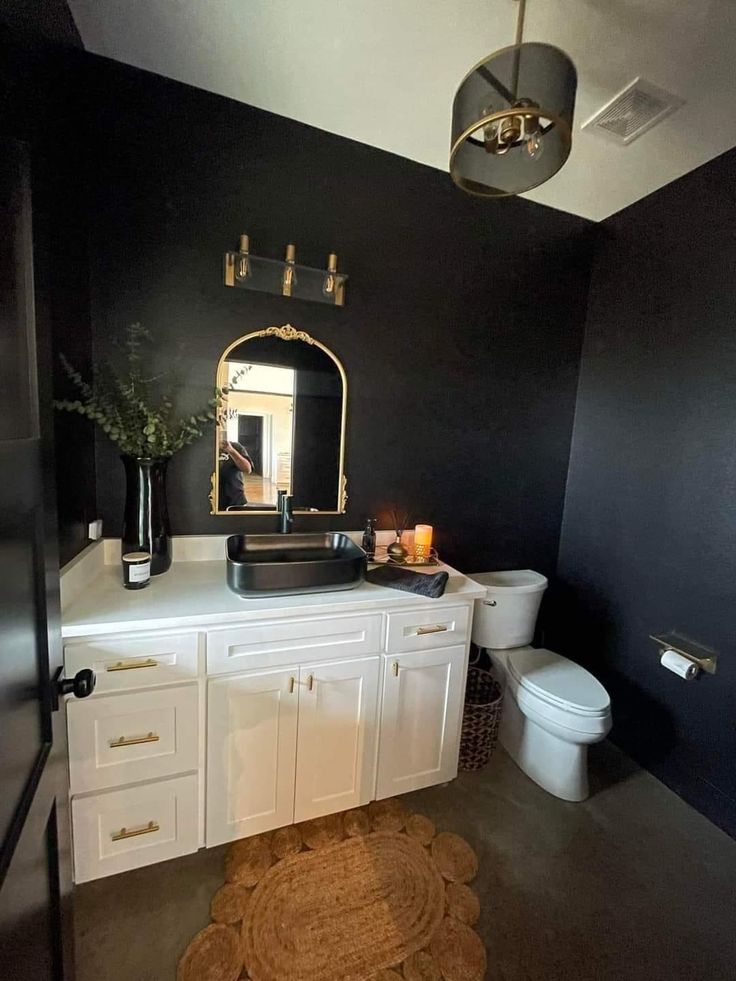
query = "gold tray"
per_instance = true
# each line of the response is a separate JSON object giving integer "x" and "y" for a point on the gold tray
{"x": 410, "y": 562}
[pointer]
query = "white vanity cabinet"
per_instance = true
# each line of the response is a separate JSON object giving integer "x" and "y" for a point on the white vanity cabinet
{"x": 289, "y": 744}
{"x": 207, "y": 727}
{"x": 251, "y": 753}
{"x": 134, "y": 750}
{"x": 420, "y": 719}
{"x": 338, "y": 730}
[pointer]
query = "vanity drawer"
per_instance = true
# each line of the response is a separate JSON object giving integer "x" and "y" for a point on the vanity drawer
{"x": 134, "y": 662}
{"x": 418, "y": 630}
{"x": 118, "y": 739}
{"x": 125, "y": 829}
{"x": 270, "y": 644}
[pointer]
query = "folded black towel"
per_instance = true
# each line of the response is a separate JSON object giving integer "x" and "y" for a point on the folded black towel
{"x": 411, "y": 582}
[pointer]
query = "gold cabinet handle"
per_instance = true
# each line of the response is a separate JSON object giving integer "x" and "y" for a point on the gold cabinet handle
{"x": 436, "y": 628}
{"x": 310, "y": 682}
{"x": 132, "y": 665}
{"x": 151, "y": 737}
{"x": 147, "y": 829}
{"x": 292, "y": 681}
{"x": 395, "y": 669}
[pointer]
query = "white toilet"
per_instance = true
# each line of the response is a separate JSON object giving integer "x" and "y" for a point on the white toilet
{"x": 553, "y": 708}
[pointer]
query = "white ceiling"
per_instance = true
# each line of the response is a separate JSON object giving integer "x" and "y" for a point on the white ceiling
{"x": 384, "y": 72}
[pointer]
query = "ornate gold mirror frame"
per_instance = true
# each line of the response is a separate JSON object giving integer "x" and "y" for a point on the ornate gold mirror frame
{"x": 285, "y": 333}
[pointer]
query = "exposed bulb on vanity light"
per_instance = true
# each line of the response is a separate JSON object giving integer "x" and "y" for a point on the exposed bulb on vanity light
{"x": 330, "y": 281}
{"x": 242, "y": 262}
{"x": 288, "y": 279}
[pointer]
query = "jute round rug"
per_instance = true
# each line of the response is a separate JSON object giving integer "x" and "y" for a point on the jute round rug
{"x": 369, "y": 895}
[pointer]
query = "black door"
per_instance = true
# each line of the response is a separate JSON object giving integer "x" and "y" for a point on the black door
{"x": 35, "y": 842}
{"x": 250, "y": 435}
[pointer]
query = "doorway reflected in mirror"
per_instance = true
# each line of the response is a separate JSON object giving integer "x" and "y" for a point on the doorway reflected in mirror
{"x": 281, "y": 424}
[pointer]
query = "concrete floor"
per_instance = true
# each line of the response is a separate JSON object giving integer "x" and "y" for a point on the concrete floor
{"x": 632, "y": 884}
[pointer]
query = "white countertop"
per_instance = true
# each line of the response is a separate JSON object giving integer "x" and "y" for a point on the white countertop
{"x": 193, "y": 594}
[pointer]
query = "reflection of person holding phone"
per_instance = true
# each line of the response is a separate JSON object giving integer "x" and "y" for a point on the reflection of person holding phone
{"x": 235, "y": 462}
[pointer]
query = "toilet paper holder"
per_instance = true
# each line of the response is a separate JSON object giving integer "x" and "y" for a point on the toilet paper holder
{"x": 702, "y": 656}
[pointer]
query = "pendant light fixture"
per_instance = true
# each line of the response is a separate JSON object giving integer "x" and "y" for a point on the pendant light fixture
{"x": 512, "y": 118}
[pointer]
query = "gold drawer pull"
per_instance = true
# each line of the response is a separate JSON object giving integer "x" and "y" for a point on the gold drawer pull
{"x": 131, "y": 665}
{"x": 310, "y": 682}
{"x": 291, "y": 685}
{"x": 436, "y": 628}
{"x": 152, "y": 737}
{"x": 147, "y": 829}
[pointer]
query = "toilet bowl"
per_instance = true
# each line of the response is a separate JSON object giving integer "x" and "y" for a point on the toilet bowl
{"x": 554, "y": 709}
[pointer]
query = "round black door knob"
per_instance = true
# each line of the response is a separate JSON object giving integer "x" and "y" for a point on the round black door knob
{"x": 81, "y": 685}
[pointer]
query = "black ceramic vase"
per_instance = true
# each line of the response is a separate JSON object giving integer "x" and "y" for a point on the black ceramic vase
{"x": 146, "y": 518}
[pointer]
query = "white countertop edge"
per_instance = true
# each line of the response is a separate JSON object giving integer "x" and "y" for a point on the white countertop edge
{"x": 80, "y": 572}
{"x": 199, "y": 597}
{"x": 74, "y": 631}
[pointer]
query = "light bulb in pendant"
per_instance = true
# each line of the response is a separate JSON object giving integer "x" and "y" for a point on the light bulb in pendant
{"x": 533, "y": 146}
{"x": 288, "y": 277}
{"x": 242, "y": 260}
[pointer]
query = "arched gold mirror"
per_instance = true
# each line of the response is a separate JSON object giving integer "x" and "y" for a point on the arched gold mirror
{"x": 280, "y": 426}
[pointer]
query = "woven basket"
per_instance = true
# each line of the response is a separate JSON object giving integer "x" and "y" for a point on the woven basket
{"x": 482, "y": 714}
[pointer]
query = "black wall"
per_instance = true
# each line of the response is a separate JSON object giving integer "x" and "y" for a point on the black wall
{"x": 32, "y": 20}
{"x": 649, "y": 535}
{"x": 37, "y": 106}
{"x": 461, "y": 334}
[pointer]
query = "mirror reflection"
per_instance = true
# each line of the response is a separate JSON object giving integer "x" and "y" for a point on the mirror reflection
{"x": 281, "y": 424}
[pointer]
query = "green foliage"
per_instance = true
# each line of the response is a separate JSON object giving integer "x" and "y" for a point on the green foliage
{"x": 129, "y": 409}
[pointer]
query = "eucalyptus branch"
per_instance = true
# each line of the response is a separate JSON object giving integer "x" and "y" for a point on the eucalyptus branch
{"x": 139, "y": 420}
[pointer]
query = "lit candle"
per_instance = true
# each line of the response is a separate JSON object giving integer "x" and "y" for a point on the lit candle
{"x": 422, "y": 541}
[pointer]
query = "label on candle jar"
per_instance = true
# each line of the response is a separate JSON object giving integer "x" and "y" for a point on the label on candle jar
{"x": 140, "y": 573}
{"x": 136, "y": 570}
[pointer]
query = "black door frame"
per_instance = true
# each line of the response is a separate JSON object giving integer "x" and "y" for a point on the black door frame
{"x": 39, "y": 830}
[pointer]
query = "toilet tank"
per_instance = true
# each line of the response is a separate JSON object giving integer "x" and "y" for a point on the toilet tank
{"x": 507, "y": 615}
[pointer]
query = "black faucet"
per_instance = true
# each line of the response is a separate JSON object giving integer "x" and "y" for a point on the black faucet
{"x": 284, "y": 505}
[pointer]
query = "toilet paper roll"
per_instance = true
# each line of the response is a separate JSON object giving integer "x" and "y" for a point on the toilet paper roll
{"x": 679, "y": 664}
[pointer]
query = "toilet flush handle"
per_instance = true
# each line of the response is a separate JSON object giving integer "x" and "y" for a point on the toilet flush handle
{"x": 489, "y": 602}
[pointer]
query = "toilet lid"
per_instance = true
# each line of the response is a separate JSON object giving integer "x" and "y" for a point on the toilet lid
{"x": 555, "y": 679}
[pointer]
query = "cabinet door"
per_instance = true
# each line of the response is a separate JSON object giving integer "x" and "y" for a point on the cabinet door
{"x": 251, "y": 753}
{"x": 338, "y": 705}
{"x": 420, "y": 719}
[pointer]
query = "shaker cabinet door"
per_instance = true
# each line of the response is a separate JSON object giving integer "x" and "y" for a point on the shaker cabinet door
{"x": 251, "y": 753}
{"x": 337, "y": 736}
{"x": 420, "y": 720}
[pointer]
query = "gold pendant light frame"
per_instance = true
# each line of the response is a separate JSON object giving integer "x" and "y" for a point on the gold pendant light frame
{"x": 538, "y": 58}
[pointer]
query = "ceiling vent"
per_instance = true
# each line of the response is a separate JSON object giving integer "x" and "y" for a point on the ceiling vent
{"x": 632, "y": 112}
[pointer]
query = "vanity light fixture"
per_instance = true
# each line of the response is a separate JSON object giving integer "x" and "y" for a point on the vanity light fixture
{"x": 242, "y": 262}
{"x": 283, "y": 277}
{"x": 288, "y": 279}
{"x": 512, "y": 118}
{"x": 332, "y": 287}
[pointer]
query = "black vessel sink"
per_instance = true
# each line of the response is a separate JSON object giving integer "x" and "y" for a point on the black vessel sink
{"x": 280, "y": 565}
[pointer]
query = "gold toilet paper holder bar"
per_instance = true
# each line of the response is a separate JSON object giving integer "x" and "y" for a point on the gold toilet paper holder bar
{"x": 702, "y": 656}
